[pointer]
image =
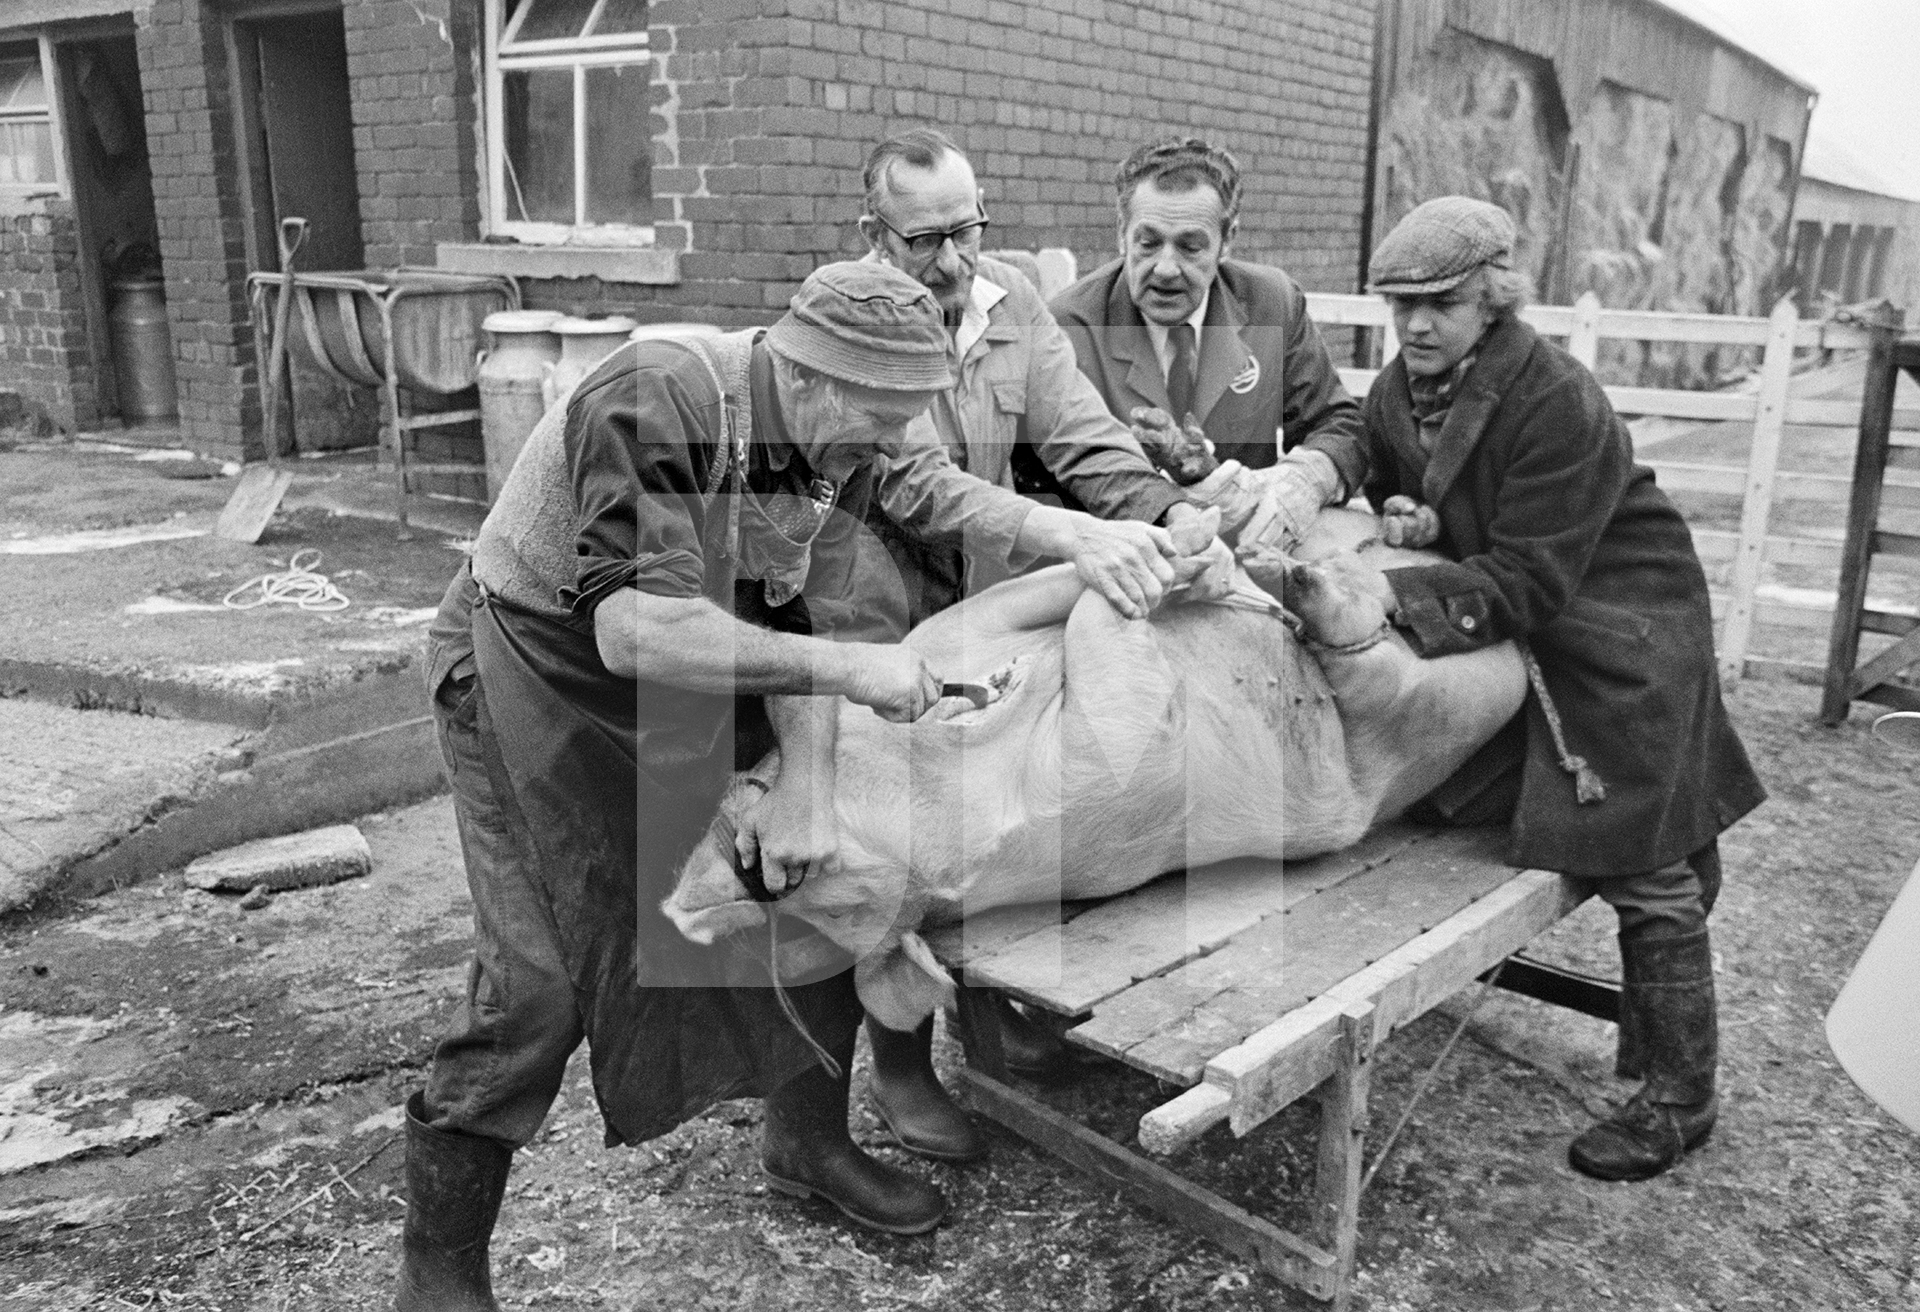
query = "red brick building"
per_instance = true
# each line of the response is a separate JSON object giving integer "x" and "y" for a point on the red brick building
{"x": 506, "y": 136}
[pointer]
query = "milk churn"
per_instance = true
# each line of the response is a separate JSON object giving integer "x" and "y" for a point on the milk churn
{"x": 584, "y": 343}
{"x": 511, "y": 373}
{"x": 142, "y": 349}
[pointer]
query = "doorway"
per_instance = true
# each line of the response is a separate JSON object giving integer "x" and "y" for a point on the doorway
{"x": 119, "y": 235}
{"x": 296, "y": 123}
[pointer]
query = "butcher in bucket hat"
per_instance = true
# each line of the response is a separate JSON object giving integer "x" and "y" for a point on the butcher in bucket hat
{"x": 866, "y": 324}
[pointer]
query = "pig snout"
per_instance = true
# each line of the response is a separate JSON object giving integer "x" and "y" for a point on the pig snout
{"x": 1331, "y": 612}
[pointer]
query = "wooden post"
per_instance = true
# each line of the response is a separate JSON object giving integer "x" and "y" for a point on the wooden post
{"x": 1343, "y": 1130}
{"x": 1863, "y": 518}
{"x": 1583, "y": 344}
{"x": 1763, "y": 459}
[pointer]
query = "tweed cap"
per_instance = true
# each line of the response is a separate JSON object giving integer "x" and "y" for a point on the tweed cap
{"x": 867, "y": 324}
{"x": 1439, "y": 245}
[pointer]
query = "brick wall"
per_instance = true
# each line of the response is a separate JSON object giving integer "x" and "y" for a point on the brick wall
{"x": 43, "y": 347}
{"x": 191, "y": 143}
{"x": 411, "y": 65}
{"x": 766, "y": 108}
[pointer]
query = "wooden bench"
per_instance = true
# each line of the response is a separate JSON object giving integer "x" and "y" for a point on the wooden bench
{"x": 1252, "y": 985}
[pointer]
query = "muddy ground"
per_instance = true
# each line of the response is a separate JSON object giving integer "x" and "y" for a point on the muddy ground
{"x": 270, "y": 1053}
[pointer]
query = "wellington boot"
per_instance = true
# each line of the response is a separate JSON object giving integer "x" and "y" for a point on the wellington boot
{"x": 1033, "y": 1051}
{"x": 912, "y": 1102}
{"x": 454, "y": 1186}
{"x": 1669, "y": 1035}
{"x": 807, "y": 1152}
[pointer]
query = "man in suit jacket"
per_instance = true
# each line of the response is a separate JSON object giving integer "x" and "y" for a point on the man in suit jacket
{"x": 1214, "y": 345}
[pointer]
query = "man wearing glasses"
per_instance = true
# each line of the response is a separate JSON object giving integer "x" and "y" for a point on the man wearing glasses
{"x": 1019, "y": 394}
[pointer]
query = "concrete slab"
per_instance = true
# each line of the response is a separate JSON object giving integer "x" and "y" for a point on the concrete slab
{"x": 73, "y": 783}
{"x": 305, "y": 860}
{"x": 114, "y": 594}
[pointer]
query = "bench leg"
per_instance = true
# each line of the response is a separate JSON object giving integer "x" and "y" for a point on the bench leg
{"x": 1343, "y": 1131}
{"x": 980, "y": 1033}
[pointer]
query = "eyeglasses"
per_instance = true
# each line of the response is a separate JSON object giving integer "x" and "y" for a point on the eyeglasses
{"x": 926, "y": 245}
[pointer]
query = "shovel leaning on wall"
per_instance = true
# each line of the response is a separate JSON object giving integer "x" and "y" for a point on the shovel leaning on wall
{"x": 261, "y": 486}
{"x": 1874, "y": 1026}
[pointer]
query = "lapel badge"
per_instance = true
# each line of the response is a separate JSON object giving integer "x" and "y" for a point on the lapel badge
{"x": 1247, "y": 379}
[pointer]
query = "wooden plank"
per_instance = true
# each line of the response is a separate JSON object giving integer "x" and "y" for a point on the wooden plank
{"x": 1892, "y": 551}
{"x": 1817, "y": 489}
{"x": 1863, "y": 518}
{"x": 1342, "y": 1146}
{"x": 1171, "y": 1025}
{"x": 1296, "y": 1053}
{"x": 1763, "y": 457}
{"x": 1714, "y": 406}
{"x": 1358, "y": 382}
{"x": 1278, "y": 1252}
{"x": 1884, "y": 666}
{"x": 252, "y": 503}
{"x": 1069, "y": 968}
{"x": 1583, "y": 342}
{"x": 1812, "y": 412}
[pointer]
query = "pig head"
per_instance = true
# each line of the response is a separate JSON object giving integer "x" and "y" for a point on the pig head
{"x": 1112, "y": 751}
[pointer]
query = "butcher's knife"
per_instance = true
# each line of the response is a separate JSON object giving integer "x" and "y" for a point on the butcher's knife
{"x": 976, "y": 693}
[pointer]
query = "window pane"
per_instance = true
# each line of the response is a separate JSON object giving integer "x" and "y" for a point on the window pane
{"x": 622, "y": 16}
{"x": 619, "y": 168}
{"x": 20, "y": 84}
{"x": 550, "y": 20}
{"x": 26, "y": 152}
{"x": 537, "y": 106}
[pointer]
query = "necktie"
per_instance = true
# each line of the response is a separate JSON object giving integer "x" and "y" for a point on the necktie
{"x": 1180, "y": 372}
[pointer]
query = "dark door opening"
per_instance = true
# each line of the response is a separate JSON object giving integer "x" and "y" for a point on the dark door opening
{"x": 297, "y": 116}
{"x": 120, "y": 270}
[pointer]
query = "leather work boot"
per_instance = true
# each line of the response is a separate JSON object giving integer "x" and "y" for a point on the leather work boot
{"x": 1669, "y": 1033}
{"x": 454, "y": 1186}
{"x": 807, "y": 1152}
{"x": 913, "y": 1104}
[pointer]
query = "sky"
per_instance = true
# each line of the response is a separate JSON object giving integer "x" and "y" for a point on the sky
{"x": 1863, "y": 56}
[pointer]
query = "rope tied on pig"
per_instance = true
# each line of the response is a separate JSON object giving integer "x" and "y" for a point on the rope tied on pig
{"x": 1588, "y": 787}
{"x": 722, "y": 836}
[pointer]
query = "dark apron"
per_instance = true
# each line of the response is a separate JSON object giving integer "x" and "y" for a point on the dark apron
{"x": 612, "y": 808}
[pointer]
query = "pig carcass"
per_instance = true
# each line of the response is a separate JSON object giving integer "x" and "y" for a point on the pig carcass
{"x": 1114, "y": 751}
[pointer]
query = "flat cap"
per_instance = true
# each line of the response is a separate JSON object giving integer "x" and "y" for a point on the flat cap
{"x": 868, "y": 324}
{"x": 1439, "y": 244}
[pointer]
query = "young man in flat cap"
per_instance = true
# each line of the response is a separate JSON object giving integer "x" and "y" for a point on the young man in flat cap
{"x": 1502, "y": 452}
{"x": 651, "y": 602}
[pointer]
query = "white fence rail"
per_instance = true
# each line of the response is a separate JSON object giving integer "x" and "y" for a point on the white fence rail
{"x": 1759, "y": 482}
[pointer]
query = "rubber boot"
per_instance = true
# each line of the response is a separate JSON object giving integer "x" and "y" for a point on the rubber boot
{"x": 913, "y": 1104}
{"x": 1032, "y": 1050}
{"x": 454, "y": 1186}
{"x": 807, "y": 1152}
{"x": 1669, "y": 1035}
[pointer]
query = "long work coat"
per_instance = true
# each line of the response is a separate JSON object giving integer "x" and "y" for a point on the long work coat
{"x": 1558, "y": 538}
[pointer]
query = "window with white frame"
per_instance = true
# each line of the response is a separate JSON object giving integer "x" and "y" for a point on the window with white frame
{"x": 568, "y": 144}
{"x": 26, "y": 121}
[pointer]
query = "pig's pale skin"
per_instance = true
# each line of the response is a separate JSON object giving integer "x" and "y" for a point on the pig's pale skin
{"x": 1115, "y": 751}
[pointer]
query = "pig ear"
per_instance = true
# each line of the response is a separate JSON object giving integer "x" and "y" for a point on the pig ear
{"x": 902, "y": 986}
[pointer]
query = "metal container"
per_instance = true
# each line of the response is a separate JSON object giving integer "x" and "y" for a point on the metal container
{"x": 142, "y": 350}
{"x": 647, "y": 332}
{"x": 512, "y": 374}
{"x": 584, "y": 343}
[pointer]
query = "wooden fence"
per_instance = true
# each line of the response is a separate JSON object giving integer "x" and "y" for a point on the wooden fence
{"x": 1744, "y": 599}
